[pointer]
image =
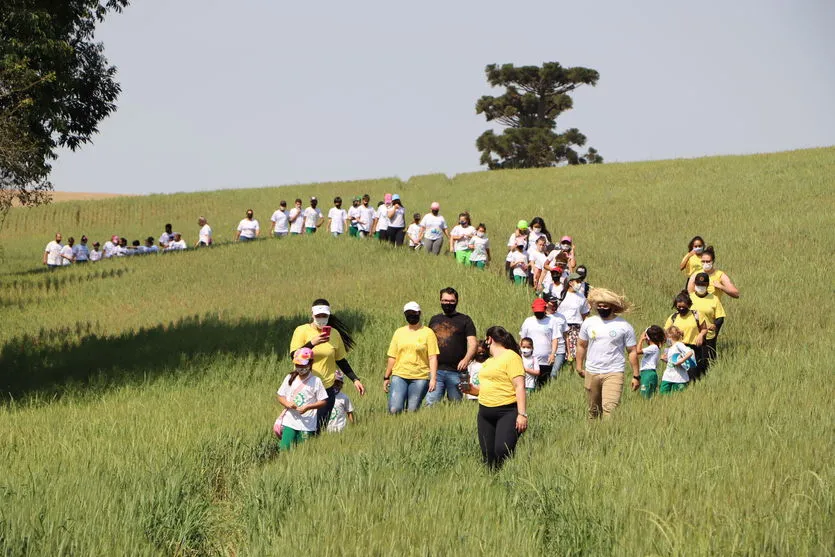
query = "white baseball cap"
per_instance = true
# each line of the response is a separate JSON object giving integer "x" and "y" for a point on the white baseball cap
{"x": 411, "y": 306}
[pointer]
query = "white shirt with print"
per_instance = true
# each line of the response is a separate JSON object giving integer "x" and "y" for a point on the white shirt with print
{"x": 467, "y": 232}
{"x": 310, "y": 391}
{"x": 479, "y": 247}
{"x": 53, "y": 253}
{"x": 248, "y": 228}
{"x": 676, "y": 373}
{"x": 338, "y": 218}
{"x": 608, "y": 341}
{"x": 473, "y": 368}
{"x": 433, "y": 225}
{"x": 339, "y": 415}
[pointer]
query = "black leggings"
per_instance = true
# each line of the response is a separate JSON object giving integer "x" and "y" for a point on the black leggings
{"x": 497, "y": 434}
{"x": 544, "y": 375}
{"x": 323, "y": 415}
{"x": 396, "y": 235}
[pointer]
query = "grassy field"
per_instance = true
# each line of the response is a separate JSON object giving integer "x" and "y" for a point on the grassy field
{"x": 139, "y": 393}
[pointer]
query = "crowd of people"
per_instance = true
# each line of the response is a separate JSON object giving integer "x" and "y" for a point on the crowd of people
{"x": 445, "y": 359}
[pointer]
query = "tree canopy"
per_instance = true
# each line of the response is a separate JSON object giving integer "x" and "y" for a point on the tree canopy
{"x": 55, "y": 88}
{"x": 534, "y": 97}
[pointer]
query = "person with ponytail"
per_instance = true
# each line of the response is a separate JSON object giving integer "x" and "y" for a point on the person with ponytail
{"x": 502, "y": 399}
{"x": 302, "y": 395}
{"x": 691, "y": 323}
{"x": 330, "y": 341}
{"x": 602, "y": 343}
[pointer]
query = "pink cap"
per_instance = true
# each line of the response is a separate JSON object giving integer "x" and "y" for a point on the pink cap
{"x": 435, "y": 206}
{"x": 387, "y": 198}
{"x": 566, "y": 239}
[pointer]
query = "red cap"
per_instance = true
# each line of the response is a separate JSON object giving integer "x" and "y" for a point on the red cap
{"x": 539, "y": 305}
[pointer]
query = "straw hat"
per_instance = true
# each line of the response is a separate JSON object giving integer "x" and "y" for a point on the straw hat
{"x": 618, "y": 303}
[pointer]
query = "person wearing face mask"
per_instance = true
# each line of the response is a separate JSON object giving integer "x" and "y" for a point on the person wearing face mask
{"x": 81, "y": 253}
{"x": 691, "y": 263}
{"x": 460, "y": 238}
{"x": 248, "y": 228}
{"x": 544, "y": 333}
{"x": 530, "y": 364}
{"x": 365, "y": 223}
{"x": 539, "y": 230}
{"x": 555, "y": 272}
{"x": 574, "y": 307}
{"x": 502, "y": 399}
{"x": 691, "y": 323}
{"x": 583, "y": 272}
{"x": 536, "y": 262}
{"x": 562, "y": 339}
{"x": 280, "y": 220}
{"x": 433, "y": 229}
{"x": 397, "y": 221}
{"x": 354, "y": 216}
{"x": 480, "y": 247}
{"x": 413, "y": 232}
{"x": 603, "y": 341}
{"x": 313, "y": 218}
{"x": 302, "y": 395}
{"x": 296, "y": 218}
{"x": 330, "y": 341}
{"x": 381, "y": 219}
{"x": 337, "y": 217}
{"x": 568, "y": 248}
{"x": 457, "y": 344}
{"x": 711, "y": 309}
{"x": 518, "y": 242}
{"x": 412, "y": 363}
{"x": 720, "y": 282}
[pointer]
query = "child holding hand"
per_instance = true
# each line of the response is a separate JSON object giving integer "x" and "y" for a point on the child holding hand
{"x": 675, "y": 376}
{"x": 301, "y": 394}
{"x": 653, "y": 337}
{"x": 343, "y": 410}
{"x": 530, "y": 364}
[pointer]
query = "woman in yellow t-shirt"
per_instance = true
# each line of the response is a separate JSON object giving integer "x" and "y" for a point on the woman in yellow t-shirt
{"x": 691, "y": 323}
{"x": 412, "y": 363}
{"x": 709, "y": 307}
{"x": 502, "y": 403}
{"x": 692, "y": 260}
{"x": 330, "y": 341}
{"x": 720, "y": 282}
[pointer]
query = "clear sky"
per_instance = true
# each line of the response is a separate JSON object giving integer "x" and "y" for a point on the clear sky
{"x": 266, "y": 92}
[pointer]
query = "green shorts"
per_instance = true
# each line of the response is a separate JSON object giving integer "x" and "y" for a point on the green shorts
{"x": 310, "y": 230}
{"x": 479, "y": 264}
{"x": 463, "y": 256}
{"x": 529, "y": 391}
{"x": 353, "y": 231}
{"x": 649, "y": 383}
{"x": 290, "y": 437}
{"x": 667, "y": 387}
{"x": 520, "y": 280}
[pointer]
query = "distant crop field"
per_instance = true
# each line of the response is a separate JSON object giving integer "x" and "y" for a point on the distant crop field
{"x": 138, "y": 394}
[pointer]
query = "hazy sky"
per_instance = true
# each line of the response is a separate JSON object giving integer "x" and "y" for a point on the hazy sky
{"x": 264, "y": 92}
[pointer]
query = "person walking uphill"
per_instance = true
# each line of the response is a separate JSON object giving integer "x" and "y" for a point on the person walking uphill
{"x": 412, "y": 363}
{"x": 457, "y": 343}
{"x": 502, "y": 399}
{"x": 330, "y": 341}
{"x": 603, "y": 340}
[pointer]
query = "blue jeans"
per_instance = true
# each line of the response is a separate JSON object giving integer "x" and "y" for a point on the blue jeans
{"x": 559, "y": 360}
{"x": 406, "y": 394}
{"x": 446, "y": 383}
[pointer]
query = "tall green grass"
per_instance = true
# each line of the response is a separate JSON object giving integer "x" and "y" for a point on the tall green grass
{"x": 139, "y": 393}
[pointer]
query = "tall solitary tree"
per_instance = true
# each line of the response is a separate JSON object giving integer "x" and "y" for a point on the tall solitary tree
{"x": 535, "y": 96}
{"x": 55, "y": 87}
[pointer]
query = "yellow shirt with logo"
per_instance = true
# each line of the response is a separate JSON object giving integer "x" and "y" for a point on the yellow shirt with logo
{"x": 694, "y": 265}
{"x": 325, "y": 355}
{"x": 688, "y": 325}
{"x": 715, "y": 277}
{"x": 411, "y": 350}
{"x": 496, "y": 379}
{"x": 710, "y": 307}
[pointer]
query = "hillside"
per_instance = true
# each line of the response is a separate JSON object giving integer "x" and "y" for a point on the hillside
{"x": 142, "y": 390}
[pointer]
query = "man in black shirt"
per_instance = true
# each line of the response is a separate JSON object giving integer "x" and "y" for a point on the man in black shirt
{"x": 457, "y": 343}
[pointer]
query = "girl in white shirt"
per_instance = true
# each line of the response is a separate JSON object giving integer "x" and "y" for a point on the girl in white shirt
{"x": 575, "y": 308}
{"x": 413, "y": 232}
{"x": 480, "y": 247}
{"x": 301, "y": 394}
{"x": 675, "y": 376}
{"x": 530, "y": 364}
{"x": 518, "y": 264}
{"x": 654, "y": 338}
{"x": 460, "y": 238}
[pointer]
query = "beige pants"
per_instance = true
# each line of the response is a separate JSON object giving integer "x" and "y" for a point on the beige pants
{"x": 603, "y": 392}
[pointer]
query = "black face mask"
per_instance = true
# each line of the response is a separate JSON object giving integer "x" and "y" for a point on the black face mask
{"x": 604, "y": 312}
{"x": 481, "y": 356}
{"x": 449, "y": 308}
{"x": 539, "y": 314}
{"x": 248, "y": 215}
{"x": 412, "y": 318}
{"x": 682, "y": 311}
{"x": 435, "y": 213}
{"x": 556, "y": 276}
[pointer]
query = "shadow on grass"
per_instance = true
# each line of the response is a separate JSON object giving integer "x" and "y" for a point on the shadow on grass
{"x": 54, "y": 362}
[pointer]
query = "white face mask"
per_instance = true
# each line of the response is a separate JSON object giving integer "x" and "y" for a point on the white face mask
{"x": 320, "y": 321}
{"x": 480, "y": 234}
{"x": 699, "y": 249}
{"x": 537, "y": 230}
{"x": 701, "y": 290}
{"x": 565, "y": 247}
{"x": 527, "y": 352}
{"x": 707, "y": 266}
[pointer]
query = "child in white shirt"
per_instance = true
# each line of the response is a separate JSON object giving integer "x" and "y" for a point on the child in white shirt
{"x": 529, "y": 363}
{"x": 675, "y": 376}
{"x": 413, "y": 232}
{"x": 343, "y": 410}
{"x": 301, "y": 394}
{"x": 518, "y": 263}
{"x": 474, "y": 367}
{"x": 653, "y": 337}
{"x": 480, "y": 246}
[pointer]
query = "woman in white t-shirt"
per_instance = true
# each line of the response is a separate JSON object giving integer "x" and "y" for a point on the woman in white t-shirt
{"x": 460, "y": 238}
{"x": 480, "y": 248}
{"x": 301, "y": 394}
{"x": 538, "y": 230}
{"x": 545, "y": 334}
{"x": 433, "y": 229}
{"x": 67, "y": 256}
{"x": 604, "y": 341}
{"x": 248, "y": 228}
{"x": 396, "y": 216}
